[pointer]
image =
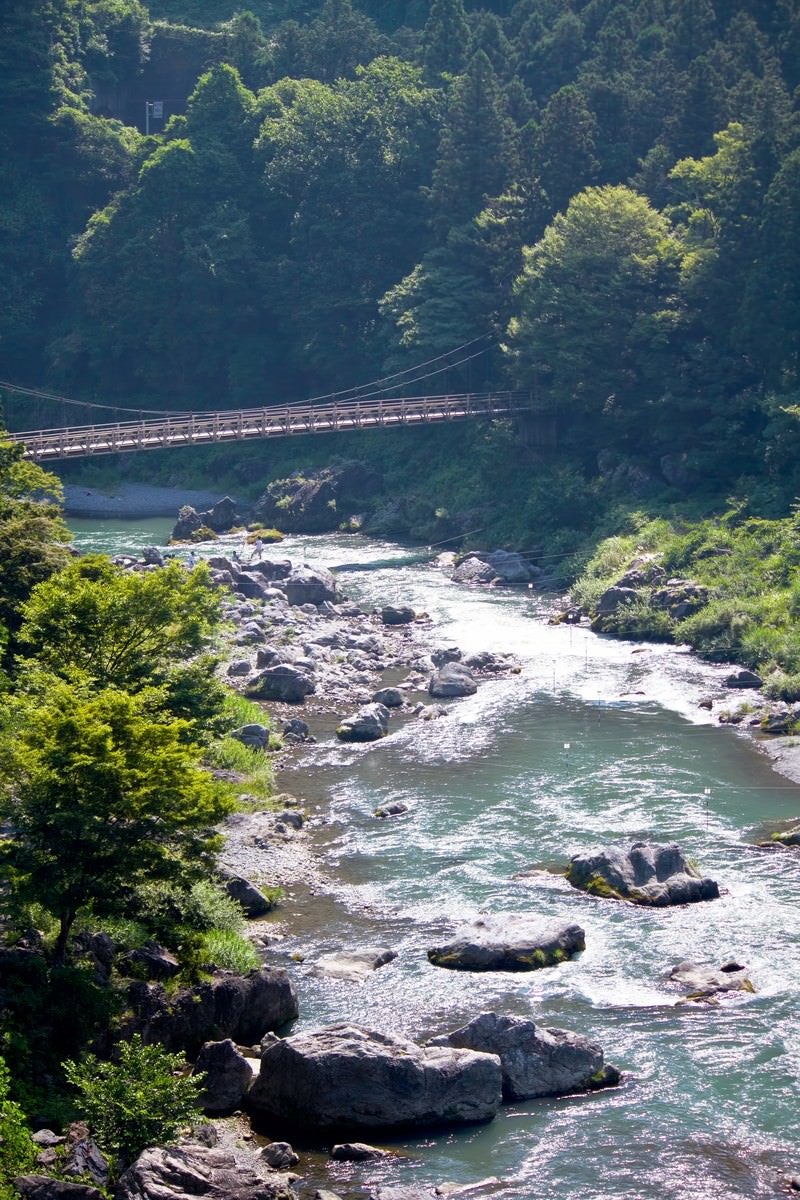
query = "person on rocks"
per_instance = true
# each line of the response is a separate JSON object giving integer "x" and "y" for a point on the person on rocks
{"x": 191, "y": 560}
{"x": 258, "y": 546}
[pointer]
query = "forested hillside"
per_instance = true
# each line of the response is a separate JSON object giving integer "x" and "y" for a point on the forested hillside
{"x": 340, "y": 189}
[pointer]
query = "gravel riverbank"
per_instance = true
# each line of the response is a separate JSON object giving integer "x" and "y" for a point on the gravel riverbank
{"x": 132, "y": 500}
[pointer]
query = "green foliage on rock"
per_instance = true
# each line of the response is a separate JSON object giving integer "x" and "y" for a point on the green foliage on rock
{"x": 142, "y": 1100}
{"x": 749, "y": 569}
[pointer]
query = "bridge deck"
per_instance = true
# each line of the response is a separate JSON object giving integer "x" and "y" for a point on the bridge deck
{"x": 197, "y": 429}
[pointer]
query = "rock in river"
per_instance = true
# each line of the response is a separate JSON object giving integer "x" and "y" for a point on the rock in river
{"x": 242, "y": 1007}
{"x": 354, "y": 965}
{"x": 391, "y": 615}
{"x": 453, "y": 679}
{"x": 646, "y": 874}
{"x": 369, "y": 724}
{"x": 535, "y": 1061}
{"x": 345, "y": 1077}
{"x": 309, "y": 585}
{"x": 283, "y": 682}
{"x": 228, "y": 1076}
{"x": 509, "y": 942}
{"x": 704, "y": 985}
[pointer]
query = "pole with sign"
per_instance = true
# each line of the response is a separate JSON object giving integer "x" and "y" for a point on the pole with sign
{"x": 154, "y": 109}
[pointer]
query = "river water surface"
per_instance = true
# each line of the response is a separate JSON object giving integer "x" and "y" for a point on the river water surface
{"x": 594, "y": 741}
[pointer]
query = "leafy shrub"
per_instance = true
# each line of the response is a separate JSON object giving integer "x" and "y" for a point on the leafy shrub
{"x": 255, "y": 769}
{"x": 141, "y": 1101}
{"x": 17, "y": 1150}
{"x": 603, "y": 569}
{"x": 236, "y": 710}
{"x": 783, "y": 685}
{"x": 640, "y": 620}
{"x": 209, "y": 907}
{"x": 229, "y": 951}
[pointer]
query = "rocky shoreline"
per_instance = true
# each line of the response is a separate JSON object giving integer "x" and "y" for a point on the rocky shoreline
{"x": 131, "y": 501}
{"x": 322, "y": 663}
{"x": 326, "y": 664}
{"x": 296, "y": 643}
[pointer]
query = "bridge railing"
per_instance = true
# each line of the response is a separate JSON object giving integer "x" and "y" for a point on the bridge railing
{"x": 80, "y": 441}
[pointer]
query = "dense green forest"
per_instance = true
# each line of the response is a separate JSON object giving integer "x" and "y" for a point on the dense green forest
{"x": 332, "y": 192}
{"x": 340, "y": 190}
{"x": 595, "y": 202}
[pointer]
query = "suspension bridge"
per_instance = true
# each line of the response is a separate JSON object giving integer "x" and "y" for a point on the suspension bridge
{"x": 207, "y": 428}
{"x": 374, "y": 405}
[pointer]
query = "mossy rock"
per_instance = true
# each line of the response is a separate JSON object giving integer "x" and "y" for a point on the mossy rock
{"x": 597, "y": 886}
{"x": 268, "y": 536}
{"x": 203, "y": 534}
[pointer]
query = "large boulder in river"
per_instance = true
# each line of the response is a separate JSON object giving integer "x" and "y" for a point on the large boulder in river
{"x": 222, "y": 516}
{"x": 473, "y": 569}
{"x": 705, "y": 985}
{"x": 393, "y": 615}
{"x": 188, "y": 522}
{"x": 452, "y": 679}
{"x": 535, "y": 1061}
{"x": 494, "y": 566}
{"x": 369, "y": 724}
{"x": 349, "y": 1078}
{"x": 743, "y": 679}
{"x": 510, "y": 567}
{"x": 648, "y": 874}
{"x": 309, "y": 585}
{"x": 354, "y": 965}
{"x": 200, "y": 1172}
{"x": 283, "y": 682}
{"x": 509, "y": 942}
{"x": 228, "y": 1076}
{"x": 219, "y": 518}
{"x": 241, "y": 1007}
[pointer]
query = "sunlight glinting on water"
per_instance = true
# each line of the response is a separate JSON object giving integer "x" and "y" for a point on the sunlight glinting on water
{"x": 594, "y": 741}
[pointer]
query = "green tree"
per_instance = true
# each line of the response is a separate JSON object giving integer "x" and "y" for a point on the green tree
{"x": 119, "y": 628}
{"x": 487, "y": 35}
{"x": 17, "y": 1149}
{"x": 33, "y": 536}
{"x": 169, "y": 272}
{"x": 771, "y": 311}
{"x": 338, "y": 160}
{"x": 596, "y": 312}
{"x": 562, "y": 151}
{"x": 142, "y": 1100}
{"x": 477, "y": 151}
{"x": 340, "y": 40}
{"x": 445, "y": 301}
{"x": 445, "y": 38}
{"x": 553, "y": 61}
{"x": 102, "y": 794}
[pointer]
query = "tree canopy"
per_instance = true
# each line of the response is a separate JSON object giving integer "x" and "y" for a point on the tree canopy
{"x": 102, "y": 792}
{"x": 109, "y": 626}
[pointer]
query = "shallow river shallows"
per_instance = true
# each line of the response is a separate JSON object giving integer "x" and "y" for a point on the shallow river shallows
{"x": 595, "y": 740}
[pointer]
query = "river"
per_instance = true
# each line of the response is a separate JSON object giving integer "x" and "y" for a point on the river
{"x": 594, "y": 741}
